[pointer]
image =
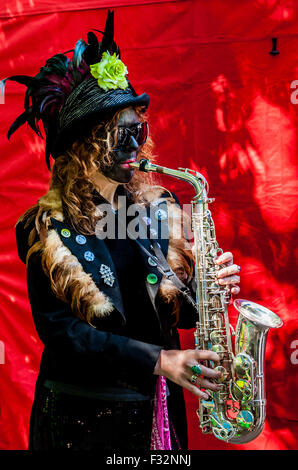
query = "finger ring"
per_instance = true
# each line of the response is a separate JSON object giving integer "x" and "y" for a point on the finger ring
{"x": 239, "y": 269}
{"x": 193, "y": 379}
{"x": 196, "y": 369}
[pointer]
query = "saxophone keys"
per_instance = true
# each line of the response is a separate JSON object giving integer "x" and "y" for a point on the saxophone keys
{"x": 220, "y": 350}
{"x": 243, "y": 365}
{"x": 216, "y": 337}
{"x": 213, "y": 253}
{"x": 224, "y": 375}
{"x": 242, "y": 390}
{"x": 245, "y": 419}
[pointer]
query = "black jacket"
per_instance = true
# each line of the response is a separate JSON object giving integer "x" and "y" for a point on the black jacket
{"x": 77, "y": 353}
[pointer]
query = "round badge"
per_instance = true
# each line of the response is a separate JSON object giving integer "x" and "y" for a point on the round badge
{"x": 147, "y": 220}
{"x": 80, "y": 239}
{"x": 89, "y": 256}
{"x": 152, "y": 278}
{"x": 65, "y": 233}
{"x": 152, "y": 262}
{"x": 160, "y": 214}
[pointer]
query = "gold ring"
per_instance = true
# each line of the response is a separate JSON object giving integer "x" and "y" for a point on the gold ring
{"x": 193, "y": 379}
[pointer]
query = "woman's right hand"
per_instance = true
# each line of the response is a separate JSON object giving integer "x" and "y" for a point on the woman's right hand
{"x": 176, "y": 366}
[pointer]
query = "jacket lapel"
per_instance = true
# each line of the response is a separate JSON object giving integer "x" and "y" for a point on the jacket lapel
{"x": 95, "y": 259}
{"x": 94, "y": 256}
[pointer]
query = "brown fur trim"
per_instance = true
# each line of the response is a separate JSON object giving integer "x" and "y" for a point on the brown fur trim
{"x": 70, "y": 282}
{"x": 38, "y": 246}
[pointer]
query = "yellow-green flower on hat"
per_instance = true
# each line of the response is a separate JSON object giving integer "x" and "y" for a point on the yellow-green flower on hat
{"x": 110, "y": 72}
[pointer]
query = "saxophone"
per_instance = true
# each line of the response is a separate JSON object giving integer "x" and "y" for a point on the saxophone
{"x": 236, "y": 413}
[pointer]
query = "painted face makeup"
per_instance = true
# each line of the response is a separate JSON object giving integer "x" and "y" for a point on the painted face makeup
{"x": 128, "y": 148}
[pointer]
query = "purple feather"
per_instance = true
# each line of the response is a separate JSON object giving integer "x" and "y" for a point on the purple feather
{"x": 48, "y": 100}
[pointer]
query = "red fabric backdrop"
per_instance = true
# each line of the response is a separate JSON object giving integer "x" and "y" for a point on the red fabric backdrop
{"x": 221, "y": 104}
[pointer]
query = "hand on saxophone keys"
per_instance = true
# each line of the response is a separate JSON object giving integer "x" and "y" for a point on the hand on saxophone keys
{"x": 178, "y": 366}
{"x": 228, "y": 274}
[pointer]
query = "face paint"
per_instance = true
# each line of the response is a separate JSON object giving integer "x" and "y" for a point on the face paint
{"x": 120, "y": 170}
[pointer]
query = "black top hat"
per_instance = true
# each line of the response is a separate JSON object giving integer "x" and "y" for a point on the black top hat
{"x": 88, "y": 104}
{"x": 68, "y": 96}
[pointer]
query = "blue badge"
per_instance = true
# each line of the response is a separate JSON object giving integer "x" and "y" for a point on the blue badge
{"x": 89, "y": 256}
{"x": 80, "y": 239}
{"x": 147, "y": 220}
{"x": 152, "y": 262}
{"x": 160, "y": 214}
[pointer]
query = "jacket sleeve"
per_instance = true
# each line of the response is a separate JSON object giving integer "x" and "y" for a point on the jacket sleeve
{"x": 63, "y": 333}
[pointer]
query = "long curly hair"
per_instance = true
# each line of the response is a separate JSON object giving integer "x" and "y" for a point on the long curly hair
{"x": 71, "y": 179}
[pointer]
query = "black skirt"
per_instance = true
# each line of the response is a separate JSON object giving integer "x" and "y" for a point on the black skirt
{"x": 66, "y": 421}
{"x": 62, "y": 421}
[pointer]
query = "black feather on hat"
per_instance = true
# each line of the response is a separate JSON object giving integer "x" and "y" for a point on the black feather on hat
{"x": 66, "y": 93}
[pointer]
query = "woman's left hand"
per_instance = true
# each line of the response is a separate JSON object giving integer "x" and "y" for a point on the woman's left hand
{"x": 229, "y": 274}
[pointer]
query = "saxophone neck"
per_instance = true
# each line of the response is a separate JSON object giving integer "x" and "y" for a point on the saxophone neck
{"x": 196, "y": 179}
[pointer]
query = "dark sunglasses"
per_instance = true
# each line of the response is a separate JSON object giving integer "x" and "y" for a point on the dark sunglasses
{"x": 139, "y": 131}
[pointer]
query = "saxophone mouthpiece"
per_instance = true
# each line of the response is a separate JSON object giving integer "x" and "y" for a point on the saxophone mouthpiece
{"x": 134, "y": 165}
{"x": 140, "y": 165}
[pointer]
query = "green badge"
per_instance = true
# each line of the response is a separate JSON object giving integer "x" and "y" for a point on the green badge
{"x": 65, "y": 233}
{"x": 152, "y": 278}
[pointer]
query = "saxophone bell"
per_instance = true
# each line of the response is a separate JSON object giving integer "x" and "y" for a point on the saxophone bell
{"x": 253, "y": 324}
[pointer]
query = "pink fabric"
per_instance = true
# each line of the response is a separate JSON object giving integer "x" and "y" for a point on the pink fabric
{"x": 160, "y": 437}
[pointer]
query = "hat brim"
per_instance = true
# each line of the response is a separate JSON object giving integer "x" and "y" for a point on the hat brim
{"x": 87, "y": 107}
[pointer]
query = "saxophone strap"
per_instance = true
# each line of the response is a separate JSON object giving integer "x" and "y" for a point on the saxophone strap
{"x": 163, "y": 266}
